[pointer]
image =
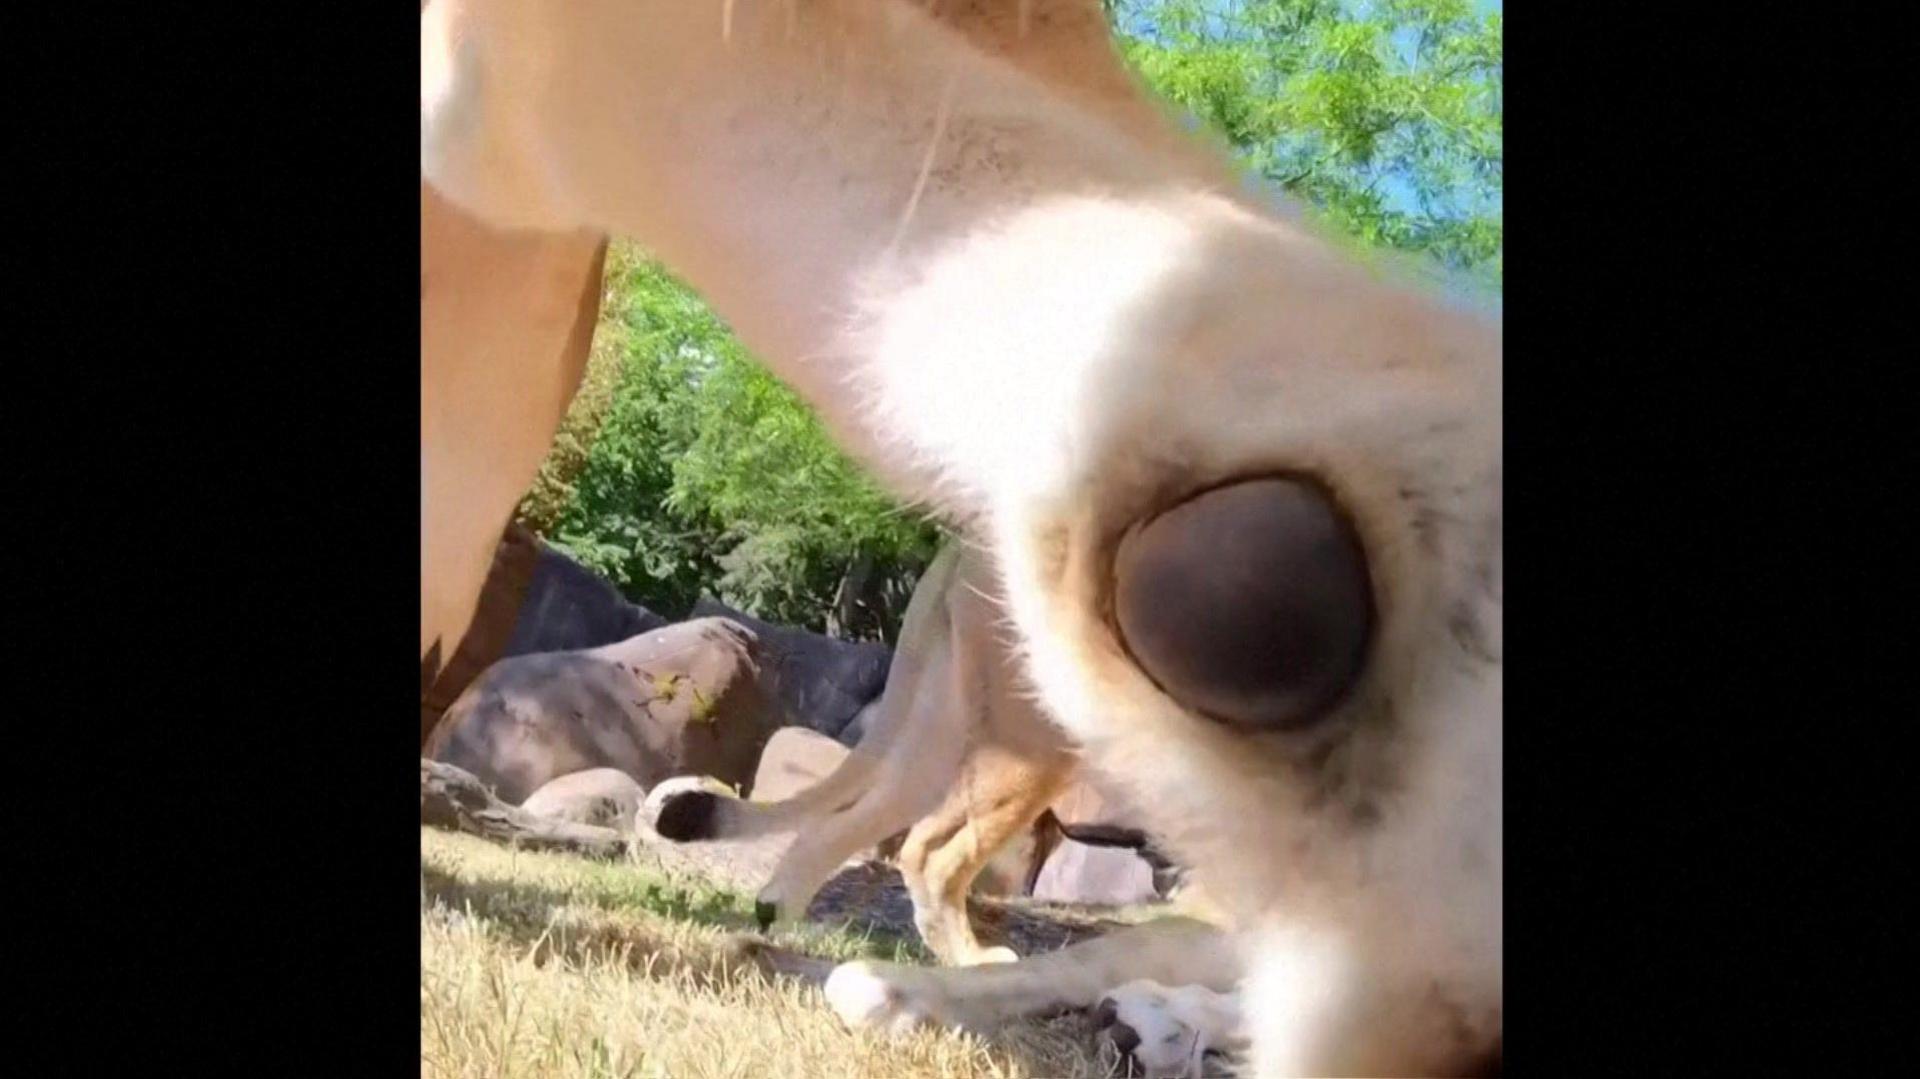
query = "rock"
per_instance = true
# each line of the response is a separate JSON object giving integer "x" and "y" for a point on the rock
{"x": 568, "y": 608}
{"x": 453, "y": 799}
{"x": 679, "y": 700}
{"x": 1082, "y": 873}
{"x": 795, "y": 758}
{"x": 821, "y": 683}
{"x": 858, "y": 726}
{"x": 486, "y": 638}
{"x": 535, "y": 599}
{"x": 603, "y": 796}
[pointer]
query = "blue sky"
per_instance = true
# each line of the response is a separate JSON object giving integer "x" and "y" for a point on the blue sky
{"x": 1398, "y": 192}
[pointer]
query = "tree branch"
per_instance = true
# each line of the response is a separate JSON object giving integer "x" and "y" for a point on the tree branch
{"x": 453, "y": 799}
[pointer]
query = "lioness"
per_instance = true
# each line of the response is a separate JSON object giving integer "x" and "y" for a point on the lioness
{"x": 1243, "y": 494}
{"x": 955, "y": 749}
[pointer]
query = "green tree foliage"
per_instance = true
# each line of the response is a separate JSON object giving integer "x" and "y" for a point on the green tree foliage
{"x": 810, "y": 539}
{"x": 603, "y": 495}
{"x": 684, "y": 467}
{"x": 1382, "y": 115}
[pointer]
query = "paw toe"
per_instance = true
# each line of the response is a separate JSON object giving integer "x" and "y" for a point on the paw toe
{"x": 860, "y": 996}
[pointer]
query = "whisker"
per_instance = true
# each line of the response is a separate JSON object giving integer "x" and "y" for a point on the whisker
{"x": 926, "y": 164}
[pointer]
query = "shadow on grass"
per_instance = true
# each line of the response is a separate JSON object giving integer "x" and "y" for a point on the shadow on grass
{"x": 576, "y": 926}
{"x": 579, "y": 925}
{"x": 871, "y": 898}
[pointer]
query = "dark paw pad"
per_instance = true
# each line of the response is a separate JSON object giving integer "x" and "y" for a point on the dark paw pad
{"x": 1106, "y": 1019}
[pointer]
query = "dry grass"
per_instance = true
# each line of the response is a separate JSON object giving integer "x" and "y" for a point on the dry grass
{"x": 550, "y": 965}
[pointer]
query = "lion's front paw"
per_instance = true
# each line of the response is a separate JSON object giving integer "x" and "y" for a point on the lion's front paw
{"x": 997, "y": 954}
{"x": 881, "y": 996}
{"x": 1168, "y": 1032}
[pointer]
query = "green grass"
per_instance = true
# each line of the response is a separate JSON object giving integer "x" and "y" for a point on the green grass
{"x": 552, "y": 965}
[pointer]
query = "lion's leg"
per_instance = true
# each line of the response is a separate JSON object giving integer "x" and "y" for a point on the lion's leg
{"x": 685, "y": 810}
{"x": 925, "y": 712}
{"x": 997, "y": 797}
{"x": 930, "y": 833}
{"x": 907, "y": 786}
{"x": 896, "y": 997}
{"x": 506, "y": 320}
{"x": 682, "y": 809}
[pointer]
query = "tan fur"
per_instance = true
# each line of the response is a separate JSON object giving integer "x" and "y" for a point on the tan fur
{"x": 1080, "y": 322}
{"x": 1170, "y": 951}
{"x": 506, "y": 321}
{"x": 1015, "y": 763}
{"x": 999, "y": 795}
{"x": 955, "y": 751}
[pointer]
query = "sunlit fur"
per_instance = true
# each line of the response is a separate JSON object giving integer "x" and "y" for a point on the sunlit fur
{"x": 1082, "y": 320}
{"x": 955, "y": 754}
